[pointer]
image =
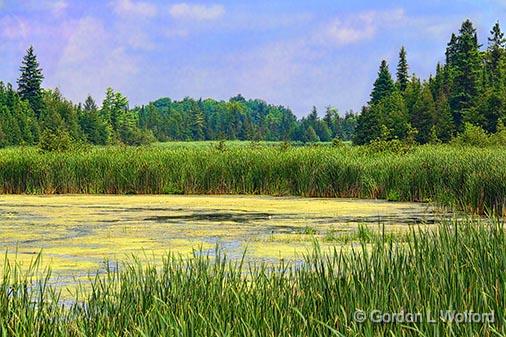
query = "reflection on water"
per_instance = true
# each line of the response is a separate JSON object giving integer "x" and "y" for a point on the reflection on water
{"x": 78, "y": 233}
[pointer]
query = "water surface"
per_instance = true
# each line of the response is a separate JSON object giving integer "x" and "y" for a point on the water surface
{"x": 77, "y": 233}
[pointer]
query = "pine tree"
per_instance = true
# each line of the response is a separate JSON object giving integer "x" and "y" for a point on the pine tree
{"x": 423, "y": 115}
{"x": 451, "y": 50}
{"x": 394, "y": 115}
{"x": 368, "y": 126}
{"x": 310, "y": 135}
{"x": 29, "y": 83}
{"x": 402, "y": 71}
{"x": 94, "y": 128}
{"x": 495, "y": 57}
{"x": 384, "y": 85}
{"x": 198, "y": 122}
{"x": 467, "y": 74}
{"x": 443, "y": 120}
{"x": 332, "y": 120}
{"x": 412, "y": 93}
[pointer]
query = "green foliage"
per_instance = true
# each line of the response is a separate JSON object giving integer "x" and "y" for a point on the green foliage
{"x": 469, "y": 88}
{"x": 55, "y": 140}
{"x": 386, "y": 120}
{"x": 310, "y": 135}
{"x": 499, "y": 138}
{"x": 214, "y": 120}
{"x": 473, "y": 135}
{"x": 424, "y": 115}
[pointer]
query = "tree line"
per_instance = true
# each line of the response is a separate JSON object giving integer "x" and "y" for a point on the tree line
{"x": 32, "y": 115}
{"x": 466, "y": 92}
{"x": 239, "y": 119}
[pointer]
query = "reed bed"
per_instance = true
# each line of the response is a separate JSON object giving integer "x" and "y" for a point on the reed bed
{"x": 471, "y": 178}
{"x": 460, "y": 267}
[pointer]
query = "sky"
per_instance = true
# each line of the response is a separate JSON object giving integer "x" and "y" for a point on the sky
{"x": 287, "y": 52}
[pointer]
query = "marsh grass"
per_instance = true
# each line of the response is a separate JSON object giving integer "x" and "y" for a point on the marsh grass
{"x": 473, "y": 179}
{"x": 458, "y": 267}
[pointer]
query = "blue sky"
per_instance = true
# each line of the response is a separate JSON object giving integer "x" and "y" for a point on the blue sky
{"x": 294, "y": 53}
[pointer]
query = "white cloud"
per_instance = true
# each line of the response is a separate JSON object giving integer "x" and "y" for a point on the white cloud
{"x": 92, "y": 61}
{"x": 134, "y": 8}
{"x": 361, "y": 26}
{"x": 196, "y": 12}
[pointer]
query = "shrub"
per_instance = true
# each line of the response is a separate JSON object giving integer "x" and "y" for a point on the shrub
{"x": 473, "y": 135}
{"x": 58, "y": 140}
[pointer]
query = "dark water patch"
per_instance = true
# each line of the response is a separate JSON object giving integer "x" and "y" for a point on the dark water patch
{"x": 214, "y": 217}
{"x": 402, "y": 219}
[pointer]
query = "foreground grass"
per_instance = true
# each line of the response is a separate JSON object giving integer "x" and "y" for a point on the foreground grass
{"x": 471, "y": 178}
{"x": 460, "y": 267}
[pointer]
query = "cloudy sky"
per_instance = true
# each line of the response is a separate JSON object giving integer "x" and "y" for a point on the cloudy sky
{"x": 290, "y": 52}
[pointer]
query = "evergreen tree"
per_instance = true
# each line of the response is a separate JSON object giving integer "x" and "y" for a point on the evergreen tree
{"x": 310, "y": 135}
{"x": 198, "y": 122}
{"x": 368, "y": 126}
{"x": 412, "y": 94}
{"x": 402, "y": 70}
{"x": 384, "y": 85}
{"x": 332, "y": 120}
{"x": 467, "y": 74}
{"x": 495, "y": 57}
{"x": 443, "y": 120}
{"x": 423, "y": 115}
{"x": 394, "y": 115}
{"x": 94, "y": 128}
{"x": 451, "y": 50}
{"x": 29, "y": 83}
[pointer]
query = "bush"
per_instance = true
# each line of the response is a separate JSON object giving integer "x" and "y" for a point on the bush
{"x": 499, "y": 138}
{"x": 135, "y": 136}
{"x": 58, "y": 140}
{"x": 336, "y": 142}
{"x": 473, "y": 135}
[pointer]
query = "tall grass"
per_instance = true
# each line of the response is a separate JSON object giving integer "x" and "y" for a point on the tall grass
{"x": 472, "y": 178}
{"x": 458, "y": 267}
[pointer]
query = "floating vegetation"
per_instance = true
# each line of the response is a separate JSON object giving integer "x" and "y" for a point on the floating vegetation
{"x": 77, "y": 233}
{"x": 457, "y": 268}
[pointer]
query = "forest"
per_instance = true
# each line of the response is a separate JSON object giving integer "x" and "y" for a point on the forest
{"x": 466, "y": 95}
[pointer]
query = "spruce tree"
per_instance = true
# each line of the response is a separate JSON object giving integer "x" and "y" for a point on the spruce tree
{"x": 423, "y": 115}
{"x": 495, "y": 57}
{"x": 368, "y": 126}
{"x": 384, "y": 85}
{"x": 402, "y": 70}
{"x": 29, "y": 83}
{"x": 443, "y": 119}
{"x": 198, "y": 122}
{"x": 332, "y": 120}
{"x": 451, "y": 50}
{"x": 467, "y": 74}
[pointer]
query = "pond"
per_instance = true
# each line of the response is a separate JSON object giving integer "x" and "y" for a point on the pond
{"x": 78, "y": 233}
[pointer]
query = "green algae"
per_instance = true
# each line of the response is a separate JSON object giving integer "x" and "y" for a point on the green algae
{"x": 77, "y": 233}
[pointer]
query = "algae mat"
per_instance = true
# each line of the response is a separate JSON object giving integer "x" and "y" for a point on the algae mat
{"x": 78, "y": 233}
